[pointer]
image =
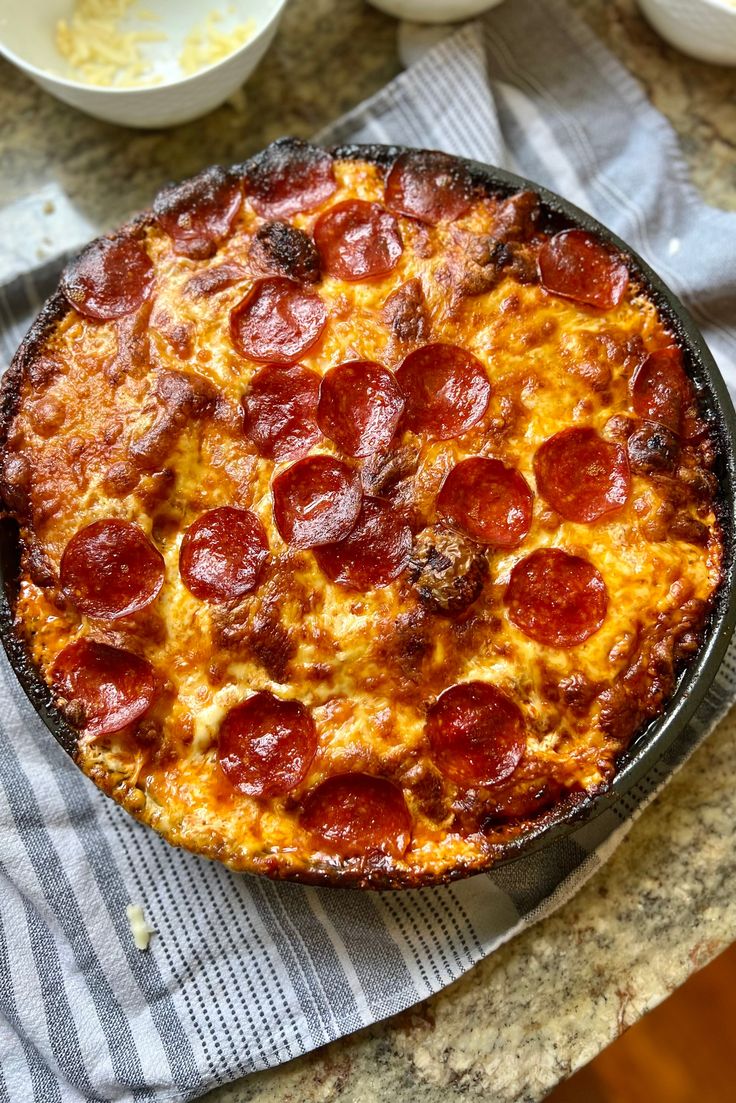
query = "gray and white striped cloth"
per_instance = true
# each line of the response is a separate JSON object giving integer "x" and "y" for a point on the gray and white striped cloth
{"x": 245, "y": 974}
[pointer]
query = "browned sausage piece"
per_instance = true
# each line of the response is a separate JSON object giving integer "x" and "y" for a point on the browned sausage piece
{"x": 447, "y": 570}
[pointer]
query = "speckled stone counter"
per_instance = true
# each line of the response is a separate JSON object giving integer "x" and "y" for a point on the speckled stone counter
{"x": 666, "y": 902}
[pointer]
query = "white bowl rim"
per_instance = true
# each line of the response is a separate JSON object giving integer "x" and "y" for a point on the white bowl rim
{"x": 86, "y": 86}
{"x": 728, "y": 6}
{"x": 721, "y": 5}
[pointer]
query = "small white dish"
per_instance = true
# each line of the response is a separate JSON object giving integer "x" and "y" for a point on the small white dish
{"x": 27, "y": 38}
{"x": 435, "y": 11}
{"x": 704, "y": 29}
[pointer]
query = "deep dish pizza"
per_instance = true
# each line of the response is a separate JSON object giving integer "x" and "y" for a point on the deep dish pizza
{"x": 367, "y": 514}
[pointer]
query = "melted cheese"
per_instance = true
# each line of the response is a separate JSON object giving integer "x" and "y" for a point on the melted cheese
{"x": 366, "y": 665}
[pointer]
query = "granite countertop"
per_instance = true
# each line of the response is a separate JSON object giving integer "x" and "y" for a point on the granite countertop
{"x": 549, "y": 1001}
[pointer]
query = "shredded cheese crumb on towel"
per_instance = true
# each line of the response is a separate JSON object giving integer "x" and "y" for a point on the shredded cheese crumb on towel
{"x": 102, "y": 43}
{"x": 138, "y": 926}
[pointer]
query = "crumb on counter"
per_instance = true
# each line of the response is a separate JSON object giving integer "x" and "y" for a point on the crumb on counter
{"x": 238, "y": 101}
{"x": 138, "y": 926}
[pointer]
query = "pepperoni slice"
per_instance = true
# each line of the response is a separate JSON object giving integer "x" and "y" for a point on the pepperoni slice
{"x": 577, "y": 265}
{"x": 114, "y": 687}
{"x": 430, "y": 186}
{"x": 352, "y": 814}
{"x": 446, "y": 390}
{"x": 280, "y": 412}
{"x": 488, "y": 501}
{"x": 476, "y": 733}
{"x": 277, "y": 321}
{"x": 373, "y": 554}
{"x": 556, "y": 598}
{"x": 360, "y": 406}
{"x": 110, "y": 278}
{"x": 222, "y": 554}
{"x": 358, "y": 240}
{"x": 581, "y": 475}
{"x": 289, "y": 176}
{"x": 660, "y": 390}
{"x": 266, "y": 745}
{"x": 110, "y": 569}
{"x": 199, "y": 213}
{"x": 316, "y": 501}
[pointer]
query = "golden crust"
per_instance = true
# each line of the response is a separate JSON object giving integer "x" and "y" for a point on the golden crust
{"x": 89, "y": 436}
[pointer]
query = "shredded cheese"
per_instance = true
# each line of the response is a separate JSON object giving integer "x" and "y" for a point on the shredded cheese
{"x": 138, "y": 926}
{"x": 208, "y": 43}
{"x": 99, "y": 51}
{"x": 104, "y": 43}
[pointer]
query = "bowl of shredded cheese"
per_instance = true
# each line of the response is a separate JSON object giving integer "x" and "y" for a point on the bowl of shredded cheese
{"x": 142, "y": 63}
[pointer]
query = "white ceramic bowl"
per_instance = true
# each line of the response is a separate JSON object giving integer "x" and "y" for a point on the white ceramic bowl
{"x": 705, "y": 29}
{"x": 27, "y": 39}
{"x": 435, "y": 11}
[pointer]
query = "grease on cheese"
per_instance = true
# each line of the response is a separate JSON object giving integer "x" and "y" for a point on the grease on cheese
{"x": 348, "y": 660}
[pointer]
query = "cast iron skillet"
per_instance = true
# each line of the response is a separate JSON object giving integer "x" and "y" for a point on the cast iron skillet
{"x": 655, "y": 739}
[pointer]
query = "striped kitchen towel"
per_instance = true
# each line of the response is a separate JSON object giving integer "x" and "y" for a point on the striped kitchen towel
{"x": 244, "y": 974}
